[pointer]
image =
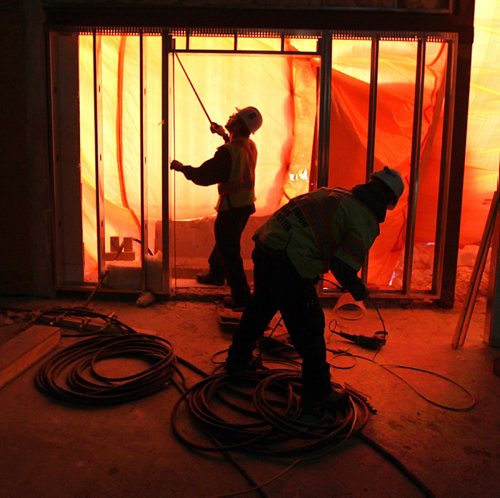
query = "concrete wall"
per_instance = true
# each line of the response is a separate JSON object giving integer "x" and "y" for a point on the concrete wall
{"x": 25, "y": 254}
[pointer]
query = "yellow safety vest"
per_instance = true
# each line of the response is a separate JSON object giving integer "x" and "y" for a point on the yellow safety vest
{"x": 238, "y": 191}
{"x": 313, "y": 227}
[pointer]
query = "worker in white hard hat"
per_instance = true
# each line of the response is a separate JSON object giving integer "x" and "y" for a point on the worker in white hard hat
{"x": 233, "y": 169}
{"x": 327, "y": 229}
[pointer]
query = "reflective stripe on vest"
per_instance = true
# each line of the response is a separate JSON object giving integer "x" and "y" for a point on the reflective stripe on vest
{"x": 239, "y": 189}
{"x": 319, "y": 213}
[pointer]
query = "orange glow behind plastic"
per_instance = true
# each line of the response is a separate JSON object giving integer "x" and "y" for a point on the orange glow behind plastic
{"x": 284, "y": 90}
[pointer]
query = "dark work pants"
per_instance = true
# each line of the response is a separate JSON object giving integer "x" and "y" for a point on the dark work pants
{"x": 279, "y": 287}
{"x": 225, "y": 260}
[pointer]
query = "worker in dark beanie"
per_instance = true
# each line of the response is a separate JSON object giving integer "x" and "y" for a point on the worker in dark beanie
{"x": 233, "y": 169}
{"x": 327, "y": 229}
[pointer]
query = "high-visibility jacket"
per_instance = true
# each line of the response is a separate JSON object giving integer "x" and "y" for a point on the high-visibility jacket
{"x": 238, "y": 190}
{"x": 314, "y": 227}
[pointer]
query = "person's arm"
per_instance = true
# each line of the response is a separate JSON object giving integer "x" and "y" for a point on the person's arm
{"x": 215, "y": 170}
{"x": 347, "y": 277}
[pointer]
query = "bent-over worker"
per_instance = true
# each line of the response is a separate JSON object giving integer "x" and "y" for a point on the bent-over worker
{"x": 327, "y": 229}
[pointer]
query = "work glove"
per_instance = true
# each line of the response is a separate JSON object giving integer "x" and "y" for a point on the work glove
{"x": 176, "y": 165}
{"x": 358, "y": 291}
{"x": 219, "y": 130}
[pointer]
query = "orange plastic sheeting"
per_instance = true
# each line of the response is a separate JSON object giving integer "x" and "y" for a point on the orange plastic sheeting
{"x": 118, "y": 223}
{"x": 483, "y": 131}
{"x": 284, "y": 88}
{"x": 224, "y": 82}
{"x": 300, "y": 160}
{"x": 119, "y": 135}
{"x": 394, "y": 128}
{"x": 285, "y": 141}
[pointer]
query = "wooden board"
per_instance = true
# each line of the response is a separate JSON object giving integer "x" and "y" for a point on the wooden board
{"x": 25, "y": 349}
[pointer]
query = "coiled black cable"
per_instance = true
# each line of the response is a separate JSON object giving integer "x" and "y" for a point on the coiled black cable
{"x": 266, "y": 402}
{"x": 72, "y": 374}
{"x": 259, "y": 412}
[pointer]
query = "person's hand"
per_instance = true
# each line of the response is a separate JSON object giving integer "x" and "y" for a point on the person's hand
{"x": 362, "y": 297}
{"x": 176, "y": 165}
{"x": 358, "y": 290}
{"x": 217, "y": 128}
{"x": 361, "y": 294}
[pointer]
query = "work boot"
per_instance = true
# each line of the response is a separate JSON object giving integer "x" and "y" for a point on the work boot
{"x": 209, "y": 279}
{"x": 332, "y": 402}
{"x": 230, "y": 303}
{"x": 251, "y": 365}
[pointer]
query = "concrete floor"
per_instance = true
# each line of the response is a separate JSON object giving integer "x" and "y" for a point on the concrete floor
{"x": 49, "y": 449}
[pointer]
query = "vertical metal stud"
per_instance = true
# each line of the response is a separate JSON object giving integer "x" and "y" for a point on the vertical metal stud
{"x": 325, "y": 102}
{"x": 98, "y": 144}
{"x": 372, "y": 112}
{"x": 167, "y": 46}
{"x": 372, "y": 123}
{"x": 444, "y": 176}
{"x": 414, "y": 166}
{"x": 458, "y": 122}
{"x": 143, "y": 168}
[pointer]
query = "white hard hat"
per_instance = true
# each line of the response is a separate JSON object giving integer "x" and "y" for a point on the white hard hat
{"x": 251, "y": 117}
{"x": 392, "y": 178}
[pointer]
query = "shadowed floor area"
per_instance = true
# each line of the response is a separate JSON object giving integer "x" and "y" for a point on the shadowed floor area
{"x": 422, "y": 427}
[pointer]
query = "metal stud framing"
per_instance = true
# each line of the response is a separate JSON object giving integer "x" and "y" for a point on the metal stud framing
{"x": 324, "y": 51}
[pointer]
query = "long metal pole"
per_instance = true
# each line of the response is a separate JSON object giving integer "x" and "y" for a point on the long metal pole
{"x": 477, "y": 273}
{"x": 194, "y": 89}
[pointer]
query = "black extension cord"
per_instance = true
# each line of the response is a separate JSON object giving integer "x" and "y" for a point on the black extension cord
{"x": 268, "y": 399}
{"x": 374, "y": 343}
